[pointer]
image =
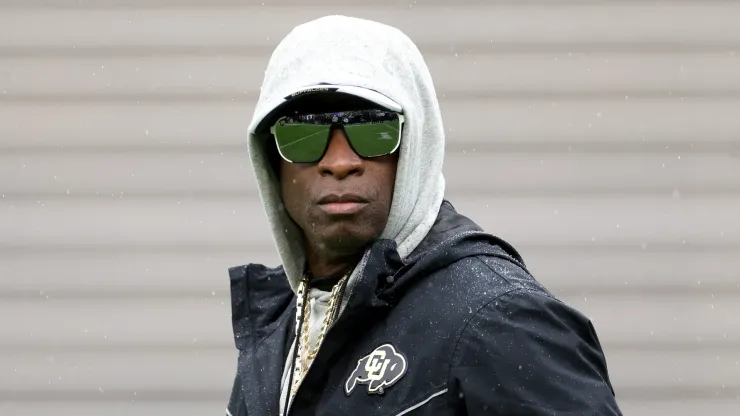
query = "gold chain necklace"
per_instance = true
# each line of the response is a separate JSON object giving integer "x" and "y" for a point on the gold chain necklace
{"x": 306, "y": 354}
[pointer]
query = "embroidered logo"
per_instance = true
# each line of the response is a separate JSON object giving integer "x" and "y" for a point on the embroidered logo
{"x": 379, "y": 370}
{"x": 313, "y": 90}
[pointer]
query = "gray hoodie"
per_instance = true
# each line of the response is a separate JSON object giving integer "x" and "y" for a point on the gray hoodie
{"x": 374, "y": 61}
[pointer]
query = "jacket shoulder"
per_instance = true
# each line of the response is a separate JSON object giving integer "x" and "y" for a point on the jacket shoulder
{"x": 519, "y": 338}
{"x": 497, "y": 286}
{"x": 261, "y": 298}
{"x": 486, "y": 277}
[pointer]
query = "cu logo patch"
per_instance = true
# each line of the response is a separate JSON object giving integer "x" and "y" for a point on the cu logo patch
{"x": 379, "y": 370}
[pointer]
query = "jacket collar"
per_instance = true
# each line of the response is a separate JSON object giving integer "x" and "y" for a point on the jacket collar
{"x": 261, "y": 299}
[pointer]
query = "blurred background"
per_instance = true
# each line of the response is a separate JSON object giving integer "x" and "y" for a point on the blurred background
{"x": 601, "y": 138}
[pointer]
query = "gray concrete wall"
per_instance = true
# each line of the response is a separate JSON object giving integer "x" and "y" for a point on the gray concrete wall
{"x": 601, "y": 138}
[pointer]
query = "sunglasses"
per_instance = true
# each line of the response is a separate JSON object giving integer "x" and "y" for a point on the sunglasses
{"x": 304, "y": 138}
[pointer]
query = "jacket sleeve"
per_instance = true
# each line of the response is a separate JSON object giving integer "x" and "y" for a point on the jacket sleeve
{"x": 526, "y": 353}
{"x": 236, "y": 406}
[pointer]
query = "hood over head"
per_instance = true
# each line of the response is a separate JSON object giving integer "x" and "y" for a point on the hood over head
{"x": 375, "y": 62}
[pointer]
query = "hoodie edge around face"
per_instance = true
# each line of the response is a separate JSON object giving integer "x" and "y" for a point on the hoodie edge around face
{"x": 342, "y": 50}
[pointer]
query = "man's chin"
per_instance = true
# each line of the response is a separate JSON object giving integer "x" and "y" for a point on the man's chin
{"x": 346, "y": 241}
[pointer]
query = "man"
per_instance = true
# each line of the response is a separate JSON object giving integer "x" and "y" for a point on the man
{"x": 388, "y": 302}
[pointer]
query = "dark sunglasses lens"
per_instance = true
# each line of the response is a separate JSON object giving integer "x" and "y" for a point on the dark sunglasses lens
{"x": 376, "y": 139}
{"x": 301, "y": 143}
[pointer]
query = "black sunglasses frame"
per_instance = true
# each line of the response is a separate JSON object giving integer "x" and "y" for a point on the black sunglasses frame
{"x": 336, "y": 125}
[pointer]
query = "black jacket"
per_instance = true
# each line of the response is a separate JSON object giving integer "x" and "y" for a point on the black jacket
{"x": 460, "y": 328}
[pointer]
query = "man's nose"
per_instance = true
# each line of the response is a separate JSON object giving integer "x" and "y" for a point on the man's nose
{"x": 340, "y": 160}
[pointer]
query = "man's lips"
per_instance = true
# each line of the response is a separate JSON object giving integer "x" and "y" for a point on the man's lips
{"x": 344, "y": 204}
{"x": 343, "y": 198}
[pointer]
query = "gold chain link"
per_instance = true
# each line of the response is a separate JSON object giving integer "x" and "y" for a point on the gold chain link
{"x": 306, "y": 355}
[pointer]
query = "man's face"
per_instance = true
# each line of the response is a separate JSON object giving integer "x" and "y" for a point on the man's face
{"x": 343, "y": 201}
